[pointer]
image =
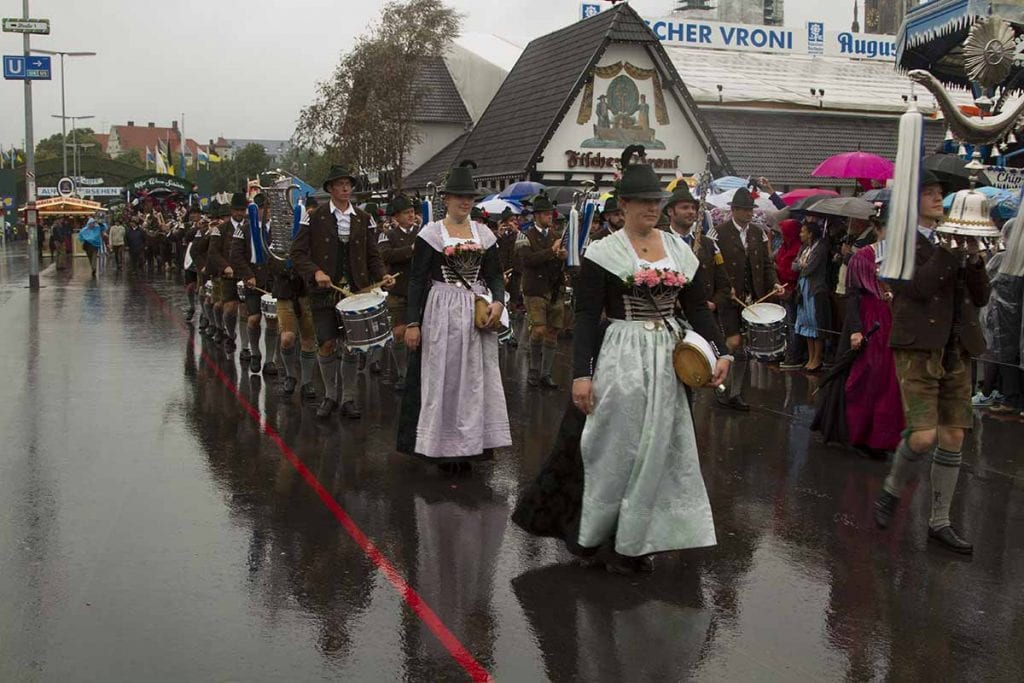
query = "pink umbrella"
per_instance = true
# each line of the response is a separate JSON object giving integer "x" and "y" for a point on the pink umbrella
{"x": 855, "y": 165}
{"x": 797, "y": 195}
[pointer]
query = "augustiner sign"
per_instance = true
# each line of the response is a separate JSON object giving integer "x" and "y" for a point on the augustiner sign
{"x": 575, "y": 159}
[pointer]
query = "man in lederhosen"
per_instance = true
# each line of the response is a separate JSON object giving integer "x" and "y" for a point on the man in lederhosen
{"x": 333, "y": 249}
{"x": 225, "y": 288}
{"x": 935, "y": 332}
{"x": 681, "y": 209}
{"x": 191, "y": 230}
{"x": 750, "y": 273}
{"x": 542, "y": 257}
{"x": 255, "y": 267}
{"x": 395, "y": 247}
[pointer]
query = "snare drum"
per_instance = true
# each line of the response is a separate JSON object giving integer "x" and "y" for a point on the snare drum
{"x": 268, "y": 305}
{"x": 764, "y": 331}
{"x": 364, "y": 320}
{"x": 694, "y": 360}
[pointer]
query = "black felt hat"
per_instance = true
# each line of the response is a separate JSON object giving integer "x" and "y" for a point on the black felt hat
{"x": 639, "y": 181}
{"x": 399, "y": 204}
{"x": 311, "y": 202}
{"x": 260, "y": 200}
{"x": 929, "y": 178}
{"x": 477, "y": 214}
{"x": 611, "y": 204}
{"x": 505, "y": 214}
{"x": 542, "y": 203}
{"x": 460, "y": 180}
{"x": 680, "y": 194}
{"x": 742, "y": 199}
{"x": 238, "y": 201}
{"x": 338, "y": 172}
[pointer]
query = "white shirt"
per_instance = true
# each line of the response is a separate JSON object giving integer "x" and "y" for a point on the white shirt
{"x": 743, "y": 232}
{"x": 117, "y": 235}
{"x": 239, "y": 229}
{"x": 929, "y": 233}
{"x": 344, "y": 219}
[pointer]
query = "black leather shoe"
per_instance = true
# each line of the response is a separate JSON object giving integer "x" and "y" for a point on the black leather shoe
{"x": 533, "y": 378}
{"x": 885, "y": 508}
{"x": 255, "y": 363}
{"x": 350, "y": 410}
{"x": 548, "y": 383}
{"x": 734, "y": 403}
{"x": 289, "y": 385}
{"x": 327, "y": 407}
{"x": 229, "y": 346}
{"x": 375, "y": 368}
{"x": 269, "y": 369}
{"x": 948, "y": 538}
{"x": 245, "y": 355}
{"x": 308, "y": 392}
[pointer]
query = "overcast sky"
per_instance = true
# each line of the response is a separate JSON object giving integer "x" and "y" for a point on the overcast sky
{"x": 241, "y": 68}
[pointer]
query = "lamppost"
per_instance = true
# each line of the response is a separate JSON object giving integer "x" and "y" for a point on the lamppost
{"x": 74, "y": 138}
{"x": 63, "y": 129}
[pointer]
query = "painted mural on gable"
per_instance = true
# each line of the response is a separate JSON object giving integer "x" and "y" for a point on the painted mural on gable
{"x": 621, "y": 115}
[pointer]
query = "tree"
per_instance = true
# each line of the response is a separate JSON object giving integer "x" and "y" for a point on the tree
{"x": 230, "y": 175}
{"x": 131, "y": 156}
{"x": 85, "y": 138}
{"x": 363, "y": 113}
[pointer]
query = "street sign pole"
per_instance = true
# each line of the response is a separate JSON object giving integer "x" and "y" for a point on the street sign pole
{"x": 30, "y": 172}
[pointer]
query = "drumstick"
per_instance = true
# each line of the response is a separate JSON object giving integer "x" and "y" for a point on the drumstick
{"x": 341, "y": 289}
{"x": 766, "y": 296}
{"x": 259, "y": 290}
{"x": 375, "y": 285}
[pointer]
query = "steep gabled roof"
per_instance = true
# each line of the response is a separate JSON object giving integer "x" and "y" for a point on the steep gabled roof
{"x": 543, "y": 84}
{"x": 437, "y": 98}
{"x": 434, "y": 168}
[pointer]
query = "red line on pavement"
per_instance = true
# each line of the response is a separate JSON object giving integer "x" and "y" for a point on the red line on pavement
{"x": 413, "y": 599}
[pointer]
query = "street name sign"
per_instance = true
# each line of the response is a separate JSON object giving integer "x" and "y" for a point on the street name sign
{"x": 14, "y": 25}
{"x": 22, "y": 68}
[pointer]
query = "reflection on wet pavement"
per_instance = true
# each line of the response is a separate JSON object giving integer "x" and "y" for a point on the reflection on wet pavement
{"x": 153, "y": 532}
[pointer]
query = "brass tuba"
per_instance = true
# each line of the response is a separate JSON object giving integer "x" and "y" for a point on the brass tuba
{"x": 278, "y": 189}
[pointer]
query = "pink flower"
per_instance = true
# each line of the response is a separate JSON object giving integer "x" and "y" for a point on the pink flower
{"x": 449, "y": 251}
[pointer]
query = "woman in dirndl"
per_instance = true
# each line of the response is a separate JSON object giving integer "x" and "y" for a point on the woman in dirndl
{"x": 453, "y": 410}
{"x": 625, "y": 476}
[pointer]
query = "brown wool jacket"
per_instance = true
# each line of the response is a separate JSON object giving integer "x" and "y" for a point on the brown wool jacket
{"x": 922, "y": 308}
{"x": 316, "y": 248}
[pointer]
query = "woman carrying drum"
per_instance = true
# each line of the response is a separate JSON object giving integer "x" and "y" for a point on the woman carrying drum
{"x": 636, "y": 454}
{"x": 453, "y": 410}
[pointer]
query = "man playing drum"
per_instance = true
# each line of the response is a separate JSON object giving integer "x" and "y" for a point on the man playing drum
{"x": 254, "y": 267}
{"x": 750, "y": 273}
{"x": 219, "y": 266}
{"x": 333, "y": 250}
{"x": 395, "y": 247}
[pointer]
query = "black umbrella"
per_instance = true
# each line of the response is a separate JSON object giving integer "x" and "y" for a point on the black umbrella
{"x": 830, "y": 409}
{"x": 952, "y": 171}
{"x": 801, "y": 205}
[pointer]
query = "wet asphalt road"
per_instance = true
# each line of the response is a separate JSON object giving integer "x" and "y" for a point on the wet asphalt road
{"x": 150, "y": 531}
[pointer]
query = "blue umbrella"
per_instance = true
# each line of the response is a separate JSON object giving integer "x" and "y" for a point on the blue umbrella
{"x": 993, "y": 193}
{"x": 521, "y": 190}
{"x": 729, "y": 182}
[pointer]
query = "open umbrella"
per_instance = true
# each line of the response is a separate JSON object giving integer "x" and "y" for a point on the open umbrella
{"x": 722, "y": 199}
{"x": 847, "y": 207}
{"x": 521, "y": 190}
{"x": 952, "y": 171}
{"x": 729, "y": 182}
{"x": 855, "y": 165}
{"x": 993, "y": 193}
{"x": 830, "y": 408}
{"x": 880, "y": 195}
{"x": 796, "y": 195}
{"x": 497, "y": 205}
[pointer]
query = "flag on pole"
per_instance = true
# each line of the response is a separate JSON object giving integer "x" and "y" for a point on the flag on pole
{"x": 201, "y": 157}
{"x": 161, "y": 165}
{"x": 181, "y": 157}
{"x": 214, "y": 158}
{"x": 150, "y": 157}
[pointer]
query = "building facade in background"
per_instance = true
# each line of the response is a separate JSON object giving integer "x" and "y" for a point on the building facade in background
{"x": 885, "y": 16}
{"x": 767, "y": 12}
